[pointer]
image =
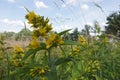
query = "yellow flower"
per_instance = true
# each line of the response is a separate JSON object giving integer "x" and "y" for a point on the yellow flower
{"x": 42, "y": 71}
{"x": 35, "y": 34}
{"x": 34, "y": 43}
{"x": 21, "y": 55}
{"x": 50, "y": 40}
{"x": 53, "y": 39}
{"x": 15, "y": 63}
{"x": 43, "y": 78}
{"x": 76, "y": 49}
{"x": 70, "y": 54}
{"x": 36, "y": 71}
{"x": 42, "y": 32}
{"x": 48, "y": 27}
{"x": 34, "y": 37}
{"x": 33, "y": 19}
{"x": 30, "y": 16}
{"x": 59, "y": 40}
{"x": 105, "y": 39}
{"x": 82, "y": 40}
{"x": 18, "y": 49}
{"x": 82, "y": 78}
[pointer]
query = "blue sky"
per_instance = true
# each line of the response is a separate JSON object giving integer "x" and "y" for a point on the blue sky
{"x": 63, "y": 14}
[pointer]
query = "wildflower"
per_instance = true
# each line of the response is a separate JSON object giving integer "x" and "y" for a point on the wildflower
{"x": 34, "y": 37}
{"x": 30, "y": 16}
{"x": 42, "y": 71}
{"x": 76, "y": 49}
{"x": 48, "y": 27}
{"x": 15, "y": 63}
{"x": 33, "y": 19}
{"x": 34, "y": 71}
{"x": 82, "y": 40}
{"x": 82, "y": 78}
{"x": 34, "y": 43}
{"x": 38, "y": 71}
{"x": 42, "y": 32}
{"x": 105, "y": 39}
{"x": 18, "y": 49}
{"x": 70, "y": 54}
{"x": 53, "y": 39}
{"x": 21, "y": 55}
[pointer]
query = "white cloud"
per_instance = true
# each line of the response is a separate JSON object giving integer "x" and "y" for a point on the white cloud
{"x": 59, "y": 15}
{"x": 12, "y": 1}
{"x": 74, "y": 2}
{"x": 91, "y": 0}
{"x": 71, "y": 2}
{"x": 90, "y": 23}
{"x": 62, "y": 28}
{"x": 63, "y": 5}
{"x": 40, "y": 4}
{"x": 12, "y": 25}
{"x": 12, "y": 22}
{"x": 84, "y": 7}
{"x": 103, "y": 24}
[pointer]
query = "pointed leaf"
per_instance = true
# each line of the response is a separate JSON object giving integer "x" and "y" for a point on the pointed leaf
{"x": 63, "y": 32}
{"x": 30, "y": 52}
{"x": 70, "y": 42}
{"x": 63, "y": 60}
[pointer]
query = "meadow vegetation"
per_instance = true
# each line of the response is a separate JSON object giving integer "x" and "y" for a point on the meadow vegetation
{"x": 49, "y": 55}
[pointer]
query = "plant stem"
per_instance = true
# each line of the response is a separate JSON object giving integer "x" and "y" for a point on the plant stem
{"x": 63, "y": 51}
{"x": 8, "y": 67}
{"x": 49, "y": 58}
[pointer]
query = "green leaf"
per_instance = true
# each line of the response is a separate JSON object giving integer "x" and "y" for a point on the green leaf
{"x": 30, "y": 52}
{"x": 63, "y": 60}
{"x": 63, "y": 51}
{"x": 34, "y": 51}
{"x": 70, "y": 42}
{"x": 52, "y": 75}
{"x": 63, "y": 32}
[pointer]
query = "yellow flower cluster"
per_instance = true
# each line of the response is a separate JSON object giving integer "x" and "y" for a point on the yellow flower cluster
{"x": 76, "y": 51}
{"x": 34, "y": 43}
{"x": 16, "y": 62}
{"x": 82, "y": 40}
{"x": 40, "y": 24}
{"x": 41, "y": 28}
{"x": 18, "y": 49}
{"x": 16, "y": 58}
{"x": 33, "y": 19}
{"x": 93, "y": 67}
{"x": 38, "y": 71}
{"x": 54, "y": 39}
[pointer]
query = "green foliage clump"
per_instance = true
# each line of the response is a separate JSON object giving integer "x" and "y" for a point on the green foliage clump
{"x": 113, "y": 24}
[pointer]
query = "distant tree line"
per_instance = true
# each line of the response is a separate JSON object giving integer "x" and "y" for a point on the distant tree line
{"x": 113, "y": 24}
{"x": 24, "y": 34}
